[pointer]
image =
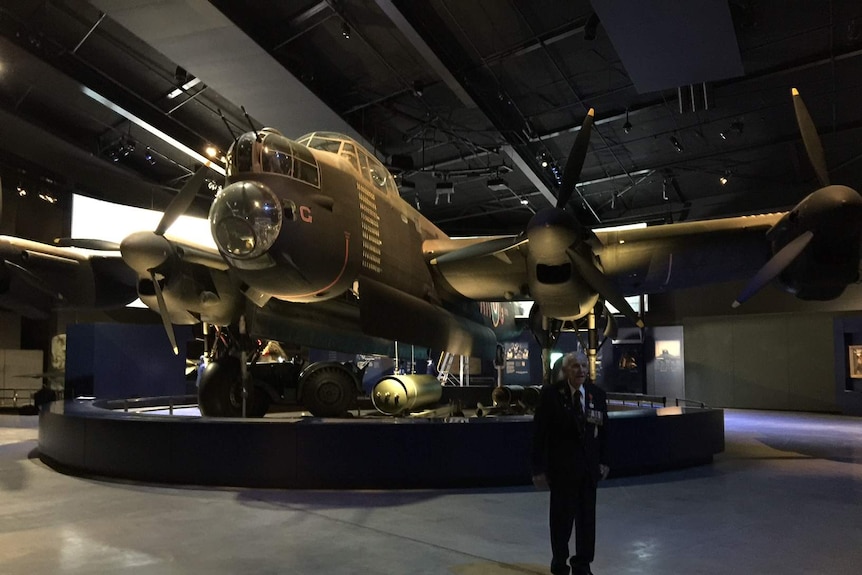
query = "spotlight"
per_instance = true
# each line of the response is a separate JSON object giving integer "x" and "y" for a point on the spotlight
{"x": 22, "y": 191}
{"x": 722, "y": 180}
{"x": 736, "y": 128}
{"x": 525, "y": 202}
{"x": 444, "y": 189}
{"x": 149, "y": 157}
{"x": 345, "y": 31}
{"x": 676, "y": 144}
{"x": 417, "y": 88}
{"x": 627, "y": 127}
{"x": 211, "y": 151}
{"x": 497, "y": 184}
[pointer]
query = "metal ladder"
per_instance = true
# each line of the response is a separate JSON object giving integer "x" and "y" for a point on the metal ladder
{"x": 445, "y": 364}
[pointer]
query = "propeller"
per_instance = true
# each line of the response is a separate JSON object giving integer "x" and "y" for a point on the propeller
{"x": 600, "y": 282}
{"x": 776, "y": 264}
{"x": 163, "y": 312}
{"x": 32, "y": 280}
{"x": 785, "y": 256}
{"x": 610, "y": 330}
{"x": 182, "y": 200}
{"x": 810, "y": 138}
{"x": 575, "y": 162}
{"x": 486, "y": 248}
{"x": 86, "y": 243}
{"x": 145, "y": 252}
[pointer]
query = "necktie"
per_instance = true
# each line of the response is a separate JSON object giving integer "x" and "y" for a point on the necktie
{"x": 579, "y": 411}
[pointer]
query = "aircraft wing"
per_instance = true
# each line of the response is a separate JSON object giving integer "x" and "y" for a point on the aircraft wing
{"x": 498, "y": 276}
{"x": 646, "y": 260}
{"x": 36, "y": 278}
{"x": 676, "y": 256}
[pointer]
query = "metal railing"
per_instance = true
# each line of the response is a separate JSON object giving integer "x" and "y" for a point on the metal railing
{"x": 638, "y": 399}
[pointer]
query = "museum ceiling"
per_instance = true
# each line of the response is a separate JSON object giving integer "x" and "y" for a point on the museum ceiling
{"x": 694, "y": 118}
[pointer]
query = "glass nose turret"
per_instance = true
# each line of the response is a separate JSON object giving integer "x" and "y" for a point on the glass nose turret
{"x": 245, "y": 219}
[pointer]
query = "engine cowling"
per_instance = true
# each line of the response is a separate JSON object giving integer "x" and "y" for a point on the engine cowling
{"x": 553, "y": 279}
{"x": 830, "y": 262}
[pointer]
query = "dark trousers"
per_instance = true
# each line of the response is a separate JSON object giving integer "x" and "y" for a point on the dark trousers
{"x": 573, "y": 502}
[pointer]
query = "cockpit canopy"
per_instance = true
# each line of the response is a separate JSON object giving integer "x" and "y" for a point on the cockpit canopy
{"x": 269, "y": 151}
{"x": 362, "y": 161}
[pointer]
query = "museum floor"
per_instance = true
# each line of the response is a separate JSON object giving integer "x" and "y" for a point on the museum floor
{"x": 785, "y": 497}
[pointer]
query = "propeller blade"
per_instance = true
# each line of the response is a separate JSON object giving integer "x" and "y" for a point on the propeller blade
{"x": 774, "y": 266}
{"x": 611, "y": 325}
{"x": 87, "y": 243}
{"x": 182, "y": 200}
{"x": 600, "y": 282}
{"x": 32, "y": 280}
{"x": 572, "y": 173}
{"x": 810, "y": 138}
{"x": 163, "y": 311}
{"x": 486, "y": 248}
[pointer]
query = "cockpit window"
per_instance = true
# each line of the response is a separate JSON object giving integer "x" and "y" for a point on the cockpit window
{"x": 240, "y": 155}
{"x": 273, "y": 154}
{"x": 377, "y": 172}
{"x": 349, "y": 152}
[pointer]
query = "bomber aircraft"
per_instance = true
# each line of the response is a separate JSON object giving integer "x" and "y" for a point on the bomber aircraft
{"x": 315, "y": 246}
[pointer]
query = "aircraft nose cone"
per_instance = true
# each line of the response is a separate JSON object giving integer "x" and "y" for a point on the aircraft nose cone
{"x": 143, "y": 251}
{"x": 245, "y": 219}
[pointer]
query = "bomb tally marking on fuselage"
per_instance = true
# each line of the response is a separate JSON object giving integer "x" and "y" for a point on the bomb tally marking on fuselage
{"x": 370, "y": 224}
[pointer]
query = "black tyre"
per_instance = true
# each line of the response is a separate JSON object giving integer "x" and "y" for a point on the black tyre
{"x": 220, "y": 389}
{"x": 328, "y": 391}
{"x": 259, "y": 402}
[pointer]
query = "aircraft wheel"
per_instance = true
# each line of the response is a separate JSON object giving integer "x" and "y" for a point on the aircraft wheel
{"x": 220, "y": 389}
{"x": 328, "y": 392}
{"x": 259, "y": 403}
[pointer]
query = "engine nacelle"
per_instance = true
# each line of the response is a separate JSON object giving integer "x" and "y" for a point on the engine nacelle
{"x": 560, "y": 292}
{"x": 830, "y": 262}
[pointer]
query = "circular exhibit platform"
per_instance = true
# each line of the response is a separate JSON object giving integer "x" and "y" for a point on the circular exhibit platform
{"x": 154, "y": 443}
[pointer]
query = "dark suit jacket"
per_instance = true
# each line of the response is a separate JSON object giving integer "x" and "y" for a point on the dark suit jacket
{"x": 559, "y": 448}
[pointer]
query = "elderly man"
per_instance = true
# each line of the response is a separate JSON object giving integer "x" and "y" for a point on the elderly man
{"x": 569, "y": 457}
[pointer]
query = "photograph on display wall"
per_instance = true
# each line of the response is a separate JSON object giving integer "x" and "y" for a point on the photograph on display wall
{"x": 855, "y": 361}
{"x": 668, "y": 355}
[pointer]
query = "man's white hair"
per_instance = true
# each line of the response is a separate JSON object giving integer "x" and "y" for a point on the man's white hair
{"x": 573, "y": 357}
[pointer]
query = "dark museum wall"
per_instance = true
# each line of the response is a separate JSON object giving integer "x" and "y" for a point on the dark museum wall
{"x": 775, "y": 352}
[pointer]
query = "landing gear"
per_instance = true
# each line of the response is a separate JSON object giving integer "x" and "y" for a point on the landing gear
{"x": 547, "y": 331}
{"x": 328, "y": 390}
{"x": 220, "y": 389}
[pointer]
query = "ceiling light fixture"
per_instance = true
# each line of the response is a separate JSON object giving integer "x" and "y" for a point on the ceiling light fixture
{"x": 190, "y": 84}
{"x": 497, "y": 184}
{"x": 676, "y": 144}
{"x": 736, "y": 128}
{"x": 627, "y": 127}
{"x": 153, "y": 130}
{"x": 345, "y": 31}
{"x": 444, "y": 189}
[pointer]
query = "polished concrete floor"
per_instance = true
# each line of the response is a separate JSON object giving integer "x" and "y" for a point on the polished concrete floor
{"x": 785, "y": 497}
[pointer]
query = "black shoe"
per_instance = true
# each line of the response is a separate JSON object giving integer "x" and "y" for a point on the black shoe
{"x": 559, "y": 569}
